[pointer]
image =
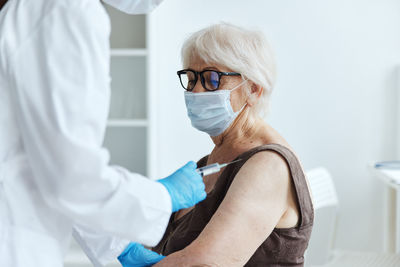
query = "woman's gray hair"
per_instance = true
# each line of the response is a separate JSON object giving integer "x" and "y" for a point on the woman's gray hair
{"x": 238, "y": 49}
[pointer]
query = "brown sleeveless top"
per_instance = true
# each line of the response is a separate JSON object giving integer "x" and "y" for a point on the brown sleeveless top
{"x": 283, "y": 247}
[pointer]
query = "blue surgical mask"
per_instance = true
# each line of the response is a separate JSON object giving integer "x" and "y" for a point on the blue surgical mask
{"x": 211, "y": 112}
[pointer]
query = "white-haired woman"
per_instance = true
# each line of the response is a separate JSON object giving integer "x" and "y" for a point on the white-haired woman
{"x": 258, "y": 211}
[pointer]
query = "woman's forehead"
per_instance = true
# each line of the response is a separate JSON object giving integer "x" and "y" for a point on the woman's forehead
{"x": 199, "y": 65}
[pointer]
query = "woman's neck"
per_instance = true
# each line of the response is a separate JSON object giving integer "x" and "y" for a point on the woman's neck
{"x": 239, "y": 133}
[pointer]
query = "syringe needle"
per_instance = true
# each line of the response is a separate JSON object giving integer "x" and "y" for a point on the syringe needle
{"x": 228, "y": 163}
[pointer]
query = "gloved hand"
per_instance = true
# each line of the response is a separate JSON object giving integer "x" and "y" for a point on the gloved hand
{"x": 185, "y": 186}
{"x": 135, "y": 255}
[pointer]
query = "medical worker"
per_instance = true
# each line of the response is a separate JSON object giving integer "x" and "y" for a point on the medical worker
{"x": 54, "y": 175}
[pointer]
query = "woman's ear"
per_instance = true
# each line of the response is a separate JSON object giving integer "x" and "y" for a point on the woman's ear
{"x": 255, "y": 94}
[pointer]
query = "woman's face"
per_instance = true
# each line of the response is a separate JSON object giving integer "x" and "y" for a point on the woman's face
{"x": 238, "y": 96}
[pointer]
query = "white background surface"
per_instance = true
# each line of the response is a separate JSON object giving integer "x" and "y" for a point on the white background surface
{"x": 334, "y": 100}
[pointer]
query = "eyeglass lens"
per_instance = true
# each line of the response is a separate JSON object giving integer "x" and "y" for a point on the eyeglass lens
{"x": 210, "y": 78}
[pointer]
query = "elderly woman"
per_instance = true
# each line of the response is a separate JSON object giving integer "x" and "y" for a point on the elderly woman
{"x": 258, "y": 210}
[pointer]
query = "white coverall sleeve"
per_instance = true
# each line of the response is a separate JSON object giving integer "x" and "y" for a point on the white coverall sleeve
{"x": 100, "y": 248}
{"x": 60, "y": 80}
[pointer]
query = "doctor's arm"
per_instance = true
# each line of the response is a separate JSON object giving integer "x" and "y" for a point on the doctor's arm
{"x": 101, "y": 248}
{"x": 60, "y": 75}
{"x": 252, "y": 207}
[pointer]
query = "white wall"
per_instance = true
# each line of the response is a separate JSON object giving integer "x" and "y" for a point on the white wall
{"x": 334, "y": 101}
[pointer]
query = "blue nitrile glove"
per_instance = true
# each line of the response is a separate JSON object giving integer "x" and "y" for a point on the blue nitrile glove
{"x": 135, "y": 255}
{"x": 185, "y": 186}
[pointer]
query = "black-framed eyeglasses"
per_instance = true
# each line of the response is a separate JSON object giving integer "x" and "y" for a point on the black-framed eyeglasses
{"x": 210, "y": 79}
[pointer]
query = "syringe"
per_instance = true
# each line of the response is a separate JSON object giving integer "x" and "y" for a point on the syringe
{"x": 213, "y": 168}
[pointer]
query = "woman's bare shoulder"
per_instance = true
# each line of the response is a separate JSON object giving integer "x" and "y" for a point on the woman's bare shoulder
{"x": 267, "y": 162}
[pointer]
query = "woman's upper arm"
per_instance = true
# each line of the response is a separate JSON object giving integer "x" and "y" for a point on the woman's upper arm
{"x": 252, "y": 207}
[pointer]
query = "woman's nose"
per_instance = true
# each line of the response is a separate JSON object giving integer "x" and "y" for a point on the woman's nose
{"x": 198, "y": 88}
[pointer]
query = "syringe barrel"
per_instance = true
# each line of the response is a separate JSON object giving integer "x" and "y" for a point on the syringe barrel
{"x": 209, "y": 169}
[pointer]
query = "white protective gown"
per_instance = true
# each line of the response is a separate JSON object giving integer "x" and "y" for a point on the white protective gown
{"x": 54, "y": 174}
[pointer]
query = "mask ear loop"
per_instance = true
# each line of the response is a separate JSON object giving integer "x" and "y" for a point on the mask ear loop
{"x": 237, "y": 86}
{"x": 240, "y": 111}
{"x": 245, "y": 104}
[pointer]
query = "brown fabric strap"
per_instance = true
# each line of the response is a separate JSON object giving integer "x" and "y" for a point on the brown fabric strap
{"x": 2, "y": 3}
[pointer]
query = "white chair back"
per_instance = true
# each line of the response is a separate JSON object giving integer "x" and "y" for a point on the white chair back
{"x": 325, "y": 202}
